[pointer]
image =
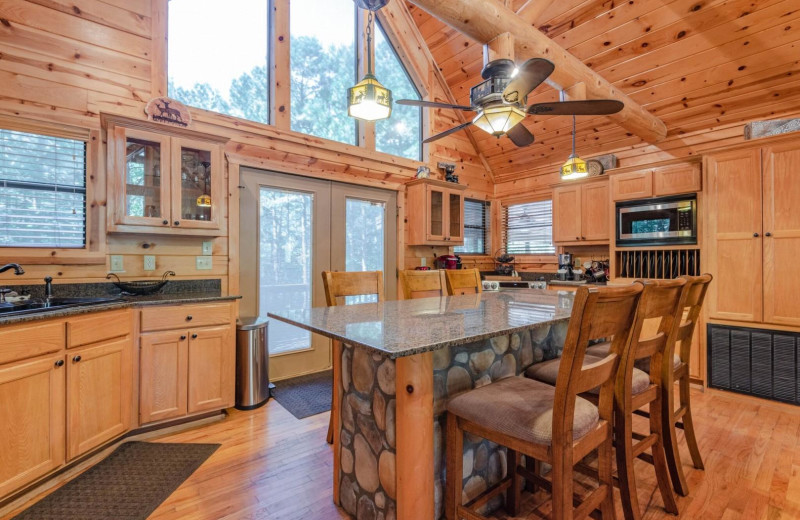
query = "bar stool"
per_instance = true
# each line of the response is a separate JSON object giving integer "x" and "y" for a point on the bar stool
{"x": 662, "y": 302}
{"x": 339, "y": 285}
{"x": 463, "y": 281}
{"x": 422, "y": 284}
{"x": 546, "y": 423}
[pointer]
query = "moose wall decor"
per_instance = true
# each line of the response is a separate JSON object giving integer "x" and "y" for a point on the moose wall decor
{"x": 169, "y": 111}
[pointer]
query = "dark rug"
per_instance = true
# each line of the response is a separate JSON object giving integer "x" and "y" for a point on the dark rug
{"x": 129, "y": 484}
{"x": 305, "y": 395}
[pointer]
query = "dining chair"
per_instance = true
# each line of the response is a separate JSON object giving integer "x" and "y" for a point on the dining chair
{"x": 463, "y": 281}
{"x": 551, "y": 424}
{"x": 422, "y": 284}
{"x": 661, "y": 302}
{"x": 338, "y": 286}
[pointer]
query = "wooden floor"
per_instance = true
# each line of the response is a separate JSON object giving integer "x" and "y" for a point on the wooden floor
{"x": 273, "y": 466}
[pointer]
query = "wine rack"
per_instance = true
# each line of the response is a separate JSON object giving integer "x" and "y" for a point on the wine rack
{"x": 658, "y": 263}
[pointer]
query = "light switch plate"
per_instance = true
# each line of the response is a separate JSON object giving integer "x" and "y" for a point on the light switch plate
{"x": 116, "y": 264}
{"x": 203, "y": 263}
{"x": 208, "y": 247}
{"x": 149, "y": 263}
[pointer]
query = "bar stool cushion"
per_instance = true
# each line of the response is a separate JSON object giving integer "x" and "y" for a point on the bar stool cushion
{"x": 547, "y": 372}
{"x": 601, "y": 350}
{"x": 521, "y": 408}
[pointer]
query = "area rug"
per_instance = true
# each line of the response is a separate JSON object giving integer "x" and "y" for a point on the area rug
{"x": 129, "y": 484}
{"x": 305, "y": 395}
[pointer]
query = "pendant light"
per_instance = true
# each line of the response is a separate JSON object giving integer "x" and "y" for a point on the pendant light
{"x": 575, "y": 167}
{"x": 368, "y": 100}
{"x": 204, "y": 200}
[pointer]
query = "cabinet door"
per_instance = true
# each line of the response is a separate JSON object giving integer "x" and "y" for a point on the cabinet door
{"x": 595, "y": 212}
{"x": 436, "y": 199}
{"x": 197, "y": 187}
{"x": 455, "y": 217}
{"x": 98, "y": 394}
{"x": 141, "y": 188}
{"x": 163, "y": 363}
{"x": 781, "y": 216}
{"x": 673, "y": 180}
{"x": 733, "y": 227}
{"x": 630, "y": 186}
{"x": 32, "y": 421}
{"x": 567, "y": 214}
{"x": 212, "y": 365}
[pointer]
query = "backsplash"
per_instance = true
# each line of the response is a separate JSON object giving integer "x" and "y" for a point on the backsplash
{"x": 211, "y": 287}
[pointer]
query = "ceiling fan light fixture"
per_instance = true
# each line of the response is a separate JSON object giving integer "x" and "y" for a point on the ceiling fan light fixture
{"x": 371, "y": 5}
{"x": 498, "y": 119}
{"x": 368, "y": 100}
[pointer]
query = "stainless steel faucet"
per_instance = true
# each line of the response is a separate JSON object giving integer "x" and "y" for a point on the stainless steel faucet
{"x": 18, "y": 270}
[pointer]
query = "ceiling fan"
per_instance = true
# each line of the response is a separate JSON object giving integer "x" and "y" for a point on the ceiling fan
{"x": 501, "y": 101}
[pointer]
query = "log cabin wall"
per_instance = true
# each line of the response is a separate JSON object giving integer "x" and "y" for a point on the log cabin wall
{"x": 68, "y": 62}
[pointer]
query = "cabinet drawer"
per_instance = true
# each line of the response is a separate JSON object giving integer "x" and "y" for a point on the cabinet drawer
{"x": 93, "y": 328}
{"x": 630, "y": 186}
{"x": 184, "y": 316}
{"x": 30, "y": 340}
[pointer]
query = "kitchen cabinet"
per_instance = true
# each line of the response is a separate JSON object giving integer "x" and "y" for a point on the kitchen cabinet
{"x": 32, "y": 409}
{"x": 581, "y": 213}
{"x": 211, "y": 369}
{"x": 632, "y": 186}
{"x": 163, "y": 369}
{"x": 164, "y": 182}
{"x": 435, "y": 212}
{"x": 98, "y": 394}
{"x": 672, "y": 179}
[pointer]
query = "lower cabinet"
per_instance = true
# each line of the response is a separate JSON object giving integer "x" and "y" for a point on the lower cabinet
{"x": 32, "y": 408}
{"x": 212, "y": 369}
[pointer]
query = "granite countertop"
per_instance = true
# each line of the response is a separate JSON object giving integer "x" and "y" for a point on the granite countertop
{"x": 122, "y": 302}
{"x": 407, "y": 327}
{"x": 574, "y": 283}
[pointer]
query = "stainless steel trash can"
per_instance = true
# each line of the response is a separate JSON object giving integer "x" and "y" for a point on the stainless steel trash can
{"x": 252, "y": 363}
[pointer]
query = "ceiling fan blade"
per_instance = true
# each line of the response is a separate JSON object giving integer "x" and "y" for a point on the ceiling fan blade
{"x": 431, "y": 104}
{"x": 446, "y": 133}
{"x": 590, "y": 107}
{"x": 531, "y": 74}
{"x": 520, "y": 135}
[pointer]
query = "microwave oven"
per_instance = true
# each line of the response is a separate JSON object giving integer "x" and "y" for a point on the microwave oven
{"x": 657, "y": 222}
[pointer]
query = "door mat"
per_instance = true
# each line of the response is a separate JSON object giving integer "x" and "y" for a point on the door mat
{"x": 129, "y": 484}
{"x": 307, "y": 395}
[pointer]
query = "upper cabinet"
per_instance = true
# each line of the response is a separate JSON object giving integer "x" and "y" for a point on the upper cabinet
{"x": 673, "y": 179}
{"x": 581, "y": 213}
{"x": 164, "y": 182}
{"x": 435, "y": 213}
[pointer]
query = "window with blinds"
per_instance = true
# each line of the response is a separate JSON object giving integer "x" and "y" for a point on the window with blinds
{"x": 528, "y": 228}
{"x": 42, "y": 191}
{"x": 476, "y": 228}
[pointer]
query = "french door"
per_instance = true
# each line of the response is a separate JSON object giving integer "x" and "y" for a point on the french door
{"x": 291, "y": 229}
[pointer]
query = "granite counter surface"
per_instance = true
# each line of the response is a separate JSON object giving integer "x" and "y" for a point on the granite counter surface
{"x": 406, "y": 327}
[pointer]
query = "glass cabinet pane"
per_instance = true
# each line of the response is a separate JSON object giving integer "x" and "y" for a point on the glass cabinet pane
{"x": 455, "y": 215}
{"x": 143, "y": 169}
{"x": 195, "y": 184}
{"x": 436, "y": 213}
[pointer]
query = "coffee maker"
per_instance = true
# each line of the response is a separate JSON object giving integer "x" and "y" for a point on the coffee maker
{"x": 565, "y": 266}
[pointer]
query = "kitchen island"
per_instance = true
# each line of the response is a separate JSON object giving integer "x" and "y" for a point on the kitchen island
{"x": 395, "y": 365}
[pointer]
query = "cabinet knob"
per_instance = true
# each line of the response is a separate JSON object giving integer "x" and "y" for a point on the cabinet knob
{"x": 189, "y": 318}
{"x": 767, "y": 234}
{"x": 577, "y": 238}
{"x": 76, "y": 359}
{"x": 60, "y": 363}
{"x": 194, "y": 336}
{"x": 177, "y": 222}
{"x": 755, "y": 235}
{"x": 165, "y": 222}
{"x": 183, "y": 337}
{"x": 583, "y": 238}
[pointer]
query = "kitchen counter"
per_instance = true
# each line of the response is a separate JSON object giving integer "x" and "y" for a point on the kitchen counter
{"x": 575, "y": 283}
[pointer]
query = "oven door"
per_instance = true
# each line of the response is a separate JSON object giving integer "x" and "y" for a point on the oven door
{"x": 654, "y": 222}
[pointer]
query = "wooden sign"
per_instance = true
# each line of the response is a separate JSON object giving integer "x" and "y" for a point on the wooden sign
{"x": 168, "y": 111}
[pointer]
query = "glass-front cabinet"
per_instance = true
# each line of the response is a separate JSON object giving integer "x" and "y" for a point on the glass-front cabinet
{"x": 162, "y": 183}
{"x": 435, "y": 212}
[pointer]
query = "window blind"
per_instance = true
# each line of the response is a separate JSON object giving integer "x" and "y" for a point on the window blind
{"x": 528, "y": 228}
{"x": 476, "y": 228}
{"x": 42, "y": 191}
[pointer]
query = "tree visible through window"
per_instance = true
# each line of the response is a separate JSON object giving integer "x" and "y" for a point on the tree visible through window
{"x": 528, "y": 228}
{"x": 400, "y": 134}
{"x": 217, "y": 56}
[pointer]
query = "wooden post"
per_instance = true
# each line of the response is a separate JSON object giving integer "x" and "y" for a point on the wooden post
{"x": 414, "y": 434}
{"x": 158, "y": 45}
{"x": 499, "y": 48}
{"x": 484, "y": 21}
{"x": 280, "y": 66}
{"x": 335, "y": 411}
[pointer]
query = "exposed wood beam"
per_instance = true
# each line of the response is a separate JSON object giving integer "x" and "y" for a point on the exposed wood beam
{"x": 483, "y": 21}
{"x": 532, "y": 10}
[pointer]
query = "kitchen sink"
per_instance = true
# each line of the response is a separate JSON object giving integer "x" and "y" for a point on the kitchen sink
{"x": 33, "y": 306}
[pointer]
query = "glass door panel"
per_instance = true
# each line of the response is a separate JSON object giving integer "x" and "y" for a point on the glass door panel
{"x": 365, "y": 223}
{"x": 436, "y": 214}
{"x": 146, "y": 189}
{"x": 456, "y": 212}
{"x": 285, "y": 257}
{"x": 196, "y": 186}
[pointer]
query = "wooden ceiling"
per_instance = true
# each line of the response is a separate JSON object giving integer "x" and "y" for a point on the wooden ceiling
{"x": 699, "y": 65}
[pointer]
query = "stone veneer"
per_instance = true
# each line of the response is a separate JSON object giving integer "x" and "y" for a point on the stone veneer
{"x": 367, "y": 456}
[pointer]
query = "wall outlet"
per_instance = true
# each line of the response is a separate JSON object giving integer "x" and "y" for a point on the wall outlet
{"x": 116, "y": 264}
{"x": 208, "y": 247}
{"x": 149, "y": 263}
{"x": 203, "y": 263}
{"x": 423, "y": 261}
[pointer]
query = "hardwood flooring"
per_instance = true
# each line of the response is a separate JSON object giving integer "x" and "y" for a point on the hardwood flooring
{"x": 273, "y": 466}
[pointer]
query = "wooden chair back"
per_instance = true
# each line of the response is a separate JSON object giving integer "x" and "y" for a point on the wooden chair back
{"x": 597, "y": 313}
{"x": 340, "y": 284}
{"x": 422, "y": 284}
{"x": 697, "y": 287}
{"x": 463, "y": 281}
